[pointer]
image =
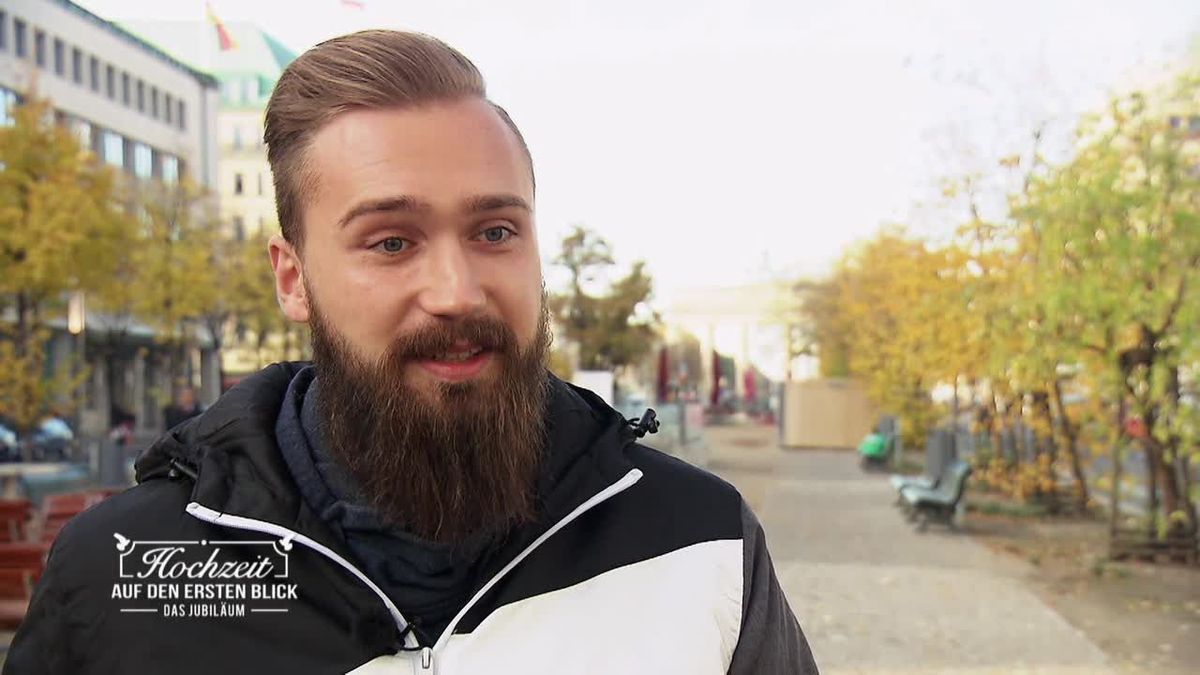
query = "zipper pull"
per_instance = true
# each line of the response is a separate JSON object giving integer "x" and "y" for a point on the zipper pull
{"x": 427, "y": 661}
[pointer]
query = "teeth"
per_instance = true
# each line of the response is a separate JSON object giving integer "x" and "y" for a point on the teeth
{"x": 457, "y": 356}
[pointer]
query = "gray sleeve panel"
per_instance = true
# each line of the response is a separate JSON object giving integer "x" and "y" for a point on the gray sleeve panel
{"x": 770, "y": 642}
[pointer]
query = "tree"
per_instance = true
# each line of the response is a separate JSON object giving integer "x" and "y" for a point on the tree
{"x": 256, "y": 311}
{"x": 892, "y": 310}
{"x": 56, "y": 209}
{"x": 1119, "y": 260}
{"x": 613, "y": 326}
{"x": 177, "y": 279}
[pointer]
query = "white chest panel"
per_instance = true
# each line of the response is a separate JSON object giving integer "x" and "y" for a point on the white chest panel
{"x": 679, "y": 613}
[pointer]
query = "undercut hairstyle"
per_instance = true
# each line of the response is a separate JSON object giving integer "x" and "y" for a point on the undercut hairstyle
{"x": 370, "y": 69}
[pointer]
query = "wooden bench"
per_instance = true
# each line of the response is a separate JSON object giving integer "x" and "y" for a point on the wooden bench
{"x": 1126, "y": 543}
{"x": 21, "y": 565}
{"x": 57, "y": 509}
{"x": 14, "y": 519}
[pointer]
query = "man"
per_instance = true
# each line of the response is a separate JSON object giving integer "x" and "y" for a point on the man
{"x": 183, "y": 407}
{"x": 425, "y": 497}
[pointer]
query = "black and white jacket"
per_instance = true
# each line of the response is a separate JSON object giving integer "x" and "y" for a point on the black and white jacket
{"x": 638, "y": 563}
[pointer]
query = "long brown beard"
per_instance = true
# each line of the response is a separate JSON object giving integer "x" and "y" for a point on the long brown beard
{"x": 446, "y": 464}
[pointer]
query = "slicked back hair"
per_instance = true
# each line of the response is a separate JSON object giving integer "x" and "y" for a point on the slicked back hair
{"x": 370, "y": 69}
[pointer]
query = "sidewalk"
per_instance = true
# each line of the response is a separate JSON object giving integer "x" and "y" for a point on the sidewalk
{"x": 875, "y": 597}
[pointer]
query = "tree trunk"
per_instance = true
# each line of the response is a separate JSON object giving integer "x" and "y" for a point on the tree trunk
{"x": 1019, "y": 436}
{"x": 994, "y": 427}
{"x": 1114, "y": 520}
{"x": 1184, "y": 470}
{"x": 1041, "y": 406}
{"x": 22, "y": 341}
{"x": 110, "y": 381}
{"x": 1070, "y": 434}
{"x": 1182, "y": 480}
{"x": 1153, "y": 464}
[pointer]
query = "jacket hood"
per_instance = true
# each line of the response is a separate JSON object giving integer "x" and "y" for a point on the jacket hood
{"x": 231, "y": 455}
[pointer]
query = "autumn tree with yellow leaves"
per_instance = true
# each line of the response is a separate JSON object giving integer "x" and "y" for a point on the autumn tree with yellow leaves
{"x": 59, "y": 229}
{"x": 1079, "y": 310}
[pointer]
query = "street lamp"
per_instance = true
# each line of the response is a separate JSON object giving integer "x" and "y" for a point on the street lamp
{"x": 76, "y": 325}
{"x": 76, "y": 314}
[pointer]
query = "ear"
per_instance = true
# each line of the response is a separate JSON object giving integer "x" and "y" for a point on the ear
{"x": 289, "y": 279}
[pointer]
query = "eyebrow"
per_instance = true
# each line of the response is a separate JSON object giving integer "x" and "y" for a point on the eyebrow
{"x": 407, "y": 204}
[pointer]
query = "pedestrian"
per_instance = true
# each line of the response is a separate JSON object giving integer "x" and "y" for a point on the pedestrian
{"x": 424, "y": 496}
{"x": 183, "y": 407}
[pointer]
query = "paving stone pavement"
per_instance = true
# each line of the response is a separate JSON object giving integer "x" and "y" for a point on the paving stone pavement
{"x": 874, "y": 596}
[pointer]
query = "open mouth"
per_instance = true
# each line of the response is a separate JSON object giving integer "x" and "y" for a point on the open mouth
{"x": 459, "y": 355}
{"x": 458, "y": 363}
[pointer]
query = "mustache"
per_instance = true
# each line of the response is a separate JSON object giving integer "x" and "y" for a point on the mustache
{"x": 484, "y": 332}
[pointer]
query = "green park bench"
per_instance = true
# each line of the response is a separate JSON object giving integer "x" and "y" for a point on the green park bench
{"x": 940, "y": 502}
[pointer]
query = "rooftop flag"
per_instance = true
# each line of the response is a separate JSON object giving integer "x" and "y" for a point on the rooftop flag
{"x": 224, "y": 37}
{"x": 354, "y": 4}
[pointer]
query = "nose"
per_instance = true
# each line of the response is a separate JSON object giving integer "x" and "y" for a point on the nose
{"x": 451, "y": 286}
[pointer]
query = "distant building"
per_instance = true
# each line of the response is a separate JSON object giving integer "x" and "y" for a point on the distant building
{"x": 141, "y": 110}
{"x": 134, "y": 105}
{"x": 747, "y": 326}
{"x": 247, "y": 72}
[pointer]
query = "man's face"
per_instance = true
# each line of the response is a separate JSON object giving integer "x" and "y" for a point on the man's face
{"x": 421, "y": 281}
{"x": 422, "y": 216}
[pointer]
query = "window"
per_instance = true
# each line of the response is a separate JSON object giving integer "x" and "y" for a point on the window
{"x": 237, "y": 137}
{"x": 239, "y": 228}
{"x": 260, "y": 185}
{"x": 182, "y": 118}
{"x": 60, "y": 58}
{"x": 229, "y": 90}
{"x": 83, "y": 132}
{"x": 94, "y": 71}
{"x": 113, "y": 148}
{"x": 154, "y": 102}
{"x": 3, "y": 29}
{"x": 143, "y": 160}
{"x": 1194, "y": 124}
{"x": 141, "y": 96}
{"x": 125, "y": 88}
{"x": 237, "y": 184}
{"x": 39, "y": 48}
{"x": 77, "y": 65}
{"x": 19, "y": 38}
{"x": 170, "y": 169}
{"x": 167, "y": 105}
{"x": 8, "y": 99}
{"x": 110, "y": 81}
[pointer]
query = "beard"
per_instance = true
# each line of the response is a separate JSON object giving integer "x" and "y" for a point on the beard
{"x": 447, "y": 461}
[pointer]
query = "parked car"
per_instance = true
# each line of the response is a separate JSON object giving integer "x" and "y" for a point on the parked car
{"x": 10, "y": 447}
{"x": 51, "y": 440}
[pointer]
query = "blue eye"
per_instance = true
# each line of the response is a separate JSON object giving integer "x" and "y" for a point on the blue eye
{"x": 392, "y": 245}
{"x": 496, "y": 235}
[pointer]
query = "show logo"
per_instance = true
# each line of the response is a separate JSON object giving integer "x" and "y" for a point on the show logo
{"x": 203, "y": 579}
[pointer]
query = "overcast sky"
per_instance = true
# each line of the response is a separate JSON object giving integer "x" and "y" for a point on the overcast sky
{"x": 727, "y": 141}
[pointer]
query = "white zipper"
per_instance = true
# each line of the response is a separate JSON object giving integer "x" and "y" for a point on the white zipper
{"x": 243, "y": 523}
{"x": 426, "y": 662}
{"x": 621, "y": 485}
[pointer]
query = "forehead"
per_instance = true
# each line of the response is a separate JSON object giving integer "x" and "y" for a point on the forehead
{"x": 440, "y": 153}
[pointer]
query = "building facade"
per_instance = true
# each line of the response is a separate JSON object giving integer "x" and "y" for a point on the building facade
{"x": 247, "y": 71}
{"x": 146, "y": 114}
